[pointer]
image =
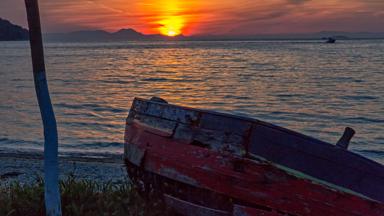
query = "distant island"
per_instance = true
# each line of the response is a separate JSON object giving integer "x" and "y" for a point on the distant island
{"x": 132, "y": 35}
{"x": 100, "y": 35}
{"x": 11, "y": 32}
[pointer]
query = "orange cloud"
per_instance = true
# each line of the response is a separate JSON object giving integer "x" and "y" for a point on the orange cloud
{"x": 189, "y": 17}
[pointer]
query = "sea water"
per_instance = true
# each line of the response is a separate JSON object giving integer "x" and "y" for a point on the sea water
{"x": 309, "y": 86}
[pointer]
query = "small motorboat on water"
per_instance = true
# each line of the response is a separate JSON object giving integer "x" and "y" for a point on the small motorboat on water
{"x": 330, "y": 40}
{"x": 206, "y": 163}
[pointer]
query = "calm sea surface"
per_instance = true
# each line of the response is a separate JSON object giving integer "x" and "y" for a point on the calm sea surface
{"x": 308, "y": 86}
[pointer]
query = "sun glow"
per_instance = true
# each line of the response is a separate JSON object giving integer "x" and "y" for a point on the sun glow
{"x": 171, "y": 26}
{"x": 170, "y": 17}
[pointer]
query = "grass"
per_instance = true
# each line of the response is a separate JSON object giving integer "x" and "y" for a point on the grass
{"x": 80, "y": 197}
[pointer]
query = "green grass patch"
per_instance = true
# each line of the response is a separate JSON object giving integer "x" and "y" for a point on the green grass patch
{"x": 80, "y": 197}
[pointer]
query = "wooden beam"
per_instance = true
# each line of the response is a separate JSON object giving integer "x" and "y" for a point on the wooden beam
{"x": 346, "y": 138}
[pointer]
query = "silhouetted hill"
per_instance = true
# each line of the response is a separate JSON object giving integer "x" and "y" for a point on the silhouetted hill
{"x": 101, "y": 36}
{"x": 11, "y": 32}
{"x": 133, "y": 35}
{"x": 127, "y": 34}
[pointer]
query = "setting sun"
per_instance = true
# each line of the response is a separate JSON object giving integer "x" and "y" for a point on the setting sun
{"x": 170, "y": 18}
{"x": 171, "y": 33}
{"x": 171, "y": 26}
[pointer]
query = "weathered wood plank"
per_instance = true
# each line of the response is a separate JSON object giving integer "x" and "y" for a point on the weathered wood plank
{"x": 165, "y": 111}
{"x": 215, "y": 140}
{"x": 141, "y": 105}
{"x": 205, "y": 120}
{"x": 190, "y": 209}
{"x": 217, "y": 132}
{"x": 212, "y": 139}
{"x": 159, "y": 126}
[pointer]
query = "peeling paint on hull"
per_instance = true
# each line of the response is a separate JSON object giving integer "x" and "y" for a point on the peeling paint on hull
{"x": 209, "y": 168}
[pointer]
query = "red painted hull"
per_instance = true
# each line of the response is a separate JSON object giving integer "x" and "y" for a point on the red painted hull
{"x": 256, "y": 183}
{"x": 247, "y": 186}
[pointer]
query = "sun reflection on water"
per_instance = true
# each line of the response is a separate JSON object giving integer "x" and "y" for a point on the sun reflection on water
{"x": 307, "y": 87}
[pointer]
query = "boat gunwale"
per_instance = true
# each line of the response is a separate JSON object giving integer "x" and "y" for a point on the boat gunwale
{"x": 314, "y": 141}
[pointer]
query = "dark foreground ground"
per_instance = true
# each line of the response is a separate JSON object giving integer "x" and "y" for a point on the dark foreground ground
{"x": 88, "y": 187}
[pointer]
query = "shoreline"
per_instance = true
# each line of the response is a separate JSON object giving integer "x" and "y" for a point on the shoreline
{"x": 26, "y": 168}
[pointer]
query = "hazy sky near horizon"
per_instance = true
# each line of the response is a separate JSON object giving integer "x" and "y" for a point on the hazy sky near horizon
{"x": 193, "y": 17}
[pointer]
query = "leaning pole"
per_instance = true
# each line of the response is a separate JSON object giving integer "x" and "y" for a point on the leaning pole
{"x": 51, "y": 170}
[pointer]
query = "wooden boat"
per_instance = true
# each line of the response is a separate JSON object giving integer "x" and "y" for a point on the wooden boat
{"x": 208, "y": 163}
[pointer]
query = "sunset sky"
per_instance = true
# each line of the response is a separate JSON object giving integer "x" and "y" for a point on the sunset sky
{"x": 197, "y": 17}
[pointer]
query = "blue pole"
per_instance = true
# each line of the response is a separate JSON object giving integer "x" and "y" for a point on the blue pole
{"x": 51, "y": 170}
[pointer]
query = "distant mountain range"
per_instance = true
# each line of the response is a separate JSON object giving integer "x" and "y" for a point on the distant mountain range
{"x": 131, "y": 34}
{"x": 100, "y": 35}
{"x": 11, "y": 32}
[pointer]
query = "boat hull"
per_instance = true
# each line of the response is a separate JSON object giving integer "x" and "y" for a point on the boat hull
{"x": 230, "y": 181}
